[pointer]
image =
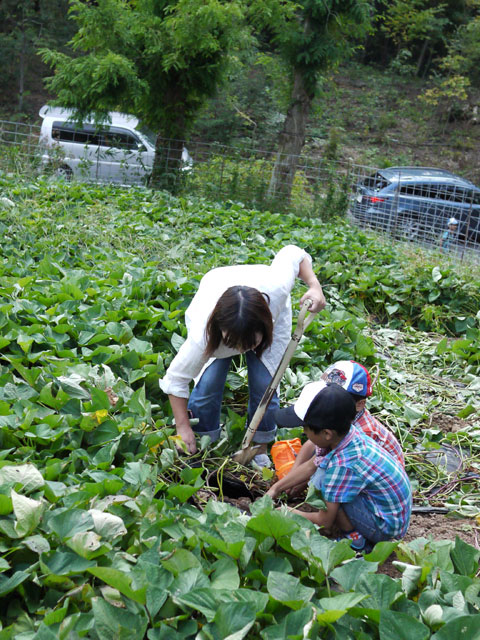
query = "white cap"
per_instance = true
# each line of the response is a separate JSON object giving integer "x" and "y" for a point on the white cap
{"x": 308, "y": 395}
{"x": 293, "y": 416}
{"x": 453, "y": 221}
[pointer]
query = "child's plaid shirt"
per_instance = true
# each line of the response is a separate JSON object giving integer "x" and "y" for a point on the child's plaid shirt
{"x": 375, "y": 430}
{"x": 360, "y": 465}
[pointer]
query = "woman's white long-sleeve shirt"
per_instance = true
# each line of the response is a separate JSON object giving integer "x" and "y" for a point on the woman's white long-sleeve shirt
{"x": 276, "y": 280}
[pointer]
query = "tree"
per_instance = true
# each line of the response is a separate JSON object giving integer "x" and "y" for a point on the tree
{"x": 413, "y": 23}
{"x": 464, "y": 47}
{"x": 316, "y": 38}
{"x": 25, "y": 26}
{"x": 458, "y": 69}
{"x": 412, "y": 35}
{"x": 158, "y": 59}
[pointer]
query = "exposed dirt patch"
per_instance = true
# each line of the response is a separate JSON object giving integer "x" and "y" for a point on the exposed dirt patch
{"x": 443, "y": 527}
{"x": 447, "y": 424}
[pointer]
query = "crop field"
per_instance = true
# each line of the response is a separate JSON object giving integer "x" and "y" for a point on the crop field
{"x": 107, "y": 532}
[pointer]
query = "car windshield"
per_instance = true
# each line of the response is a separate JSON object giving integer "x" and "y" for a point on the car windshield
{"x": 376, "y": 182}
{"x": 148, "y": 133}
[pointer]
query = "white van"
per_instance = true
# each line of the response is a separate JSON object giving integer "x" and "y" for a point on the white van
{"x": 119, "y": 151}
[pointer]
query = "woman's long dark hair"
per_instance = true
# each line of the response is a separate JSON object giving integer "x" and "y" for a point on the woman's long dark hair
{"x": 240, "y": 313}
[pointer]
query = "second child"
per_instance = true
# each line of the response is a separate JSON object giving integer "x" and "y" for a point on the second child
{"x": 366, "y": 491}
{"x": 355, "y": 379}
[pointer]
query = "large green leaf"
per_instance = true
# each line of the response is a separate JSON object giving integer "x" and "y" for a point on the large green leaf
{"x": 11, "y": 583}
{"x": 288, "y": 590}
{"x": 225, "y": 574}
{"x": 45, "y": 633}
{"x": 258, "y": 598}
{"x": 294, "y": 625}
{"x": 72, "y": 387}
{"x": 364, "y": 346}
{"x": 349, "y": 574}
{"x": 461, "y": 628}
{"x": 158, "y": 581}
{"x": 6, "y": 505}
{"x": 37, "y": 544}
{"x": 234, "y": 620}
{"x": 181, "y": 492}
{"x": 319, "y": 549}
{"x": 400, "y": 626}
{"x": 139, "y": 473}
{"x": 107, "y": 525}
{"x": 272, "y": 523}
{"x": 233, "y": 549}
{"x": 335, "y": 607}
{"x": 65, "y": 563}
{"x": 203, "y": 600}
{"x": 139, "y": 405}
{"x": 382, "y": 590}
{"x": 27, "y": 475}
{"x": 411, "y": 576}
{"x": 382, "y": 551}
{"x": 100, "y": 400}
{"x": 181, "y": 560}
{"x": 87, "y": 544}
{"x": 465, "y": 558}
{"x": 121, "y": 581}
{"x": 28, "y": 513}
{"x": 113, "y": 623}
{"x": 68, "y": 522}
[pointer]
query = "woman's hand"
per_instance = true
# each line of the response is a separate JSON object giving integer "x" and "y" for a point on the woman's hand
{"x": 188, "y": 436}
{"x": 182, "y": 423}
{"x": 315, "y": 294}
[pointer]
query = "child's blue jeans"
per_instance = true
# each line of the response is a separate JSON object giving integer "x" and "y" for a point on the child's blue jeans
{"x": 206, "y": 398}
{"x": 361, "y": 517}
{"x": 363, "y": 520}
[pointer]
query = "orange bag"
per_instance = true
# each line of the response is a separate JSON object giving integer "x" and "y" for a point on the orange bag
{"x": 283, "y": 454}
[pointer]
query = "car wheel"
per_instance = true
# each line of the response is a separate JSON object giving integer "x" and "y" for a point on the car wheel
{"x": 64, "y": 171}
{"x": 409, "y": 227}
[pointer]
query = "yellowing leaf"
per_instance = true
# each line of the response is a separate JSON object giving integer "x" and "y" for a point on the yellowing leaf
{"x": 100, "y": 415}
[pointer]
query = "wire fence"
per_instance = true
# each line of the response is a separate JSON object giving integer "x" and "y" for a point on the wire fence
{"x": 426, "y": 206}
{"x": 21, "y": 137}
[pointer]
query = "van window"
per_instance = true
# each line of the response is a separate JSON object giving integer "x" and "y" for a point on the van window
{"x": 119, "y": 140}
{"x": 69, "y": 132}
{"x": 148, "y": 133}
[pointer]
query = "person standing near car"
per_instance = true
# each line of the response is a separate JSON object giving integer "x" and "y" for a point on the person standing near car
{"x": 237, "y": 309}
{"x": 450, "y": 235}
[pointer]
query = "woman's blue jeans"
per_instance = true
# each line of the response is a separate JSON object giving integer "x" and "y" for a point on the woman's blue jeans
{"x": 206, "y": 398}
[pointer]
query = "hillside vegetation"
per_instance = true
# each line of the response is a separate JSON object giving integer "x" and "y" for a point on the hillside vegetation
{"x": 105, "y": 531}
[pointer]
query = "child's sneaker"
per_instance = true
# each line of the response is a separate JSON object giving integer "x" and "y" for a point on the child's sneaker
{"x": 262, "y": 460}
{"x": 357, "y": 541}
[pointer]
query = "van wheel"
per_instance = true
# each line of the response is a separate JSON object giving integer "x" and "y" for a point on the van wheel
{"x": 64, "y": 172}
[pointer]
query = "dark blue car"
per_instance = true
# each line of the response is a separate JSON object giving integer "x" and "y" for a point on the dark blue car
{"x": 417, "y": 202}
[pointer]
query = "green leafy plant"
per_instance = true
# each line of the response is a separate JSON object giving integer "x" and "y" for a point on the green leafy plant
{"x": 106, "y": 531}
